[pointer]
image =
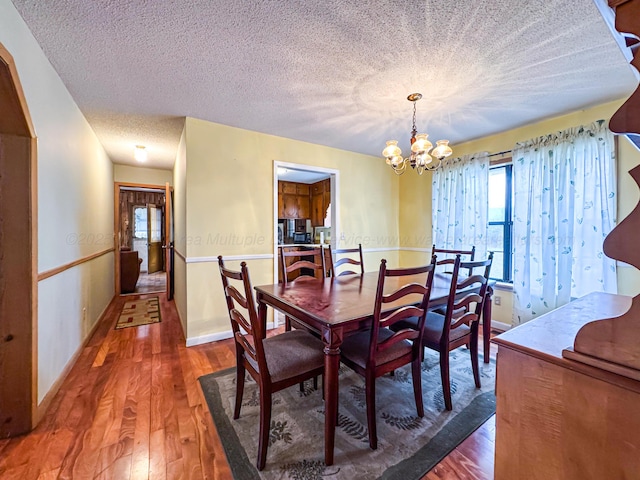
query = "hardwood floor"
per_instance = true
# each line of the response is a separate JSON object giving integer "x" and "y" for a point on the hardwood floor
{"x": 131, "y": 408}
{"x": 151, "y": 283}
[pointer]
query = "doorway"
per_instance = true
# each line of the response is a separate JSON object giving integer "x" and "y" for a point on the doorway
{"x": 143, "y": 229}
{"x": 18, "y": 257}
{"x": 147, "y": 237}
{"x": 323, "y": 219}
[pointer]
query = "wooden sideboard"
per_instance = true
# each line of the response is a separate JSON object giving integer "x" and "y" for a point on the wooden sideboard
{"x": 568, "y": 382}
{"x": 557, "y": 418}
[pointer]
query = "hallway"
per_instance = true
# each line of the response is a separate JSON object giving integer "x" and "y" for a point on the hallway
{"x": 132, "y": 408}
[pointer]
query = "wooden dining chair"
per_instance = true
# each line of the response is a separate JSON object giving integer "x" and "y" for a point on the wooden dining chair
{"x": 458, "y": 325}
{"x": 447, "y": 256}
{"x": 348, "y": 260}
{"x": 380, "y": 350}
{"x": 304, "y": 268}
{"x": 275, "y": 363}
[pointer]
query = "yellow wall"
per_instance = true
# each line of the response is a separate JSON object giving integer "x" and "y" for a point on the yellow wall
{"x": 141, "y": 175}
{"x": 179, "y": 230}
{"x": 75, "y": 207}
{"x": 229, "y": 193}
{"x": 415, "y": 192}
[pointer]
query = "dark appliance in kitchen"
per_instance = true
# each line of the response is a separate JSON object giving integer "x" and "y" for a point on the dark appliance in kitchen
{"x": 294, "y": 231}
{"x": 301, "y": 238}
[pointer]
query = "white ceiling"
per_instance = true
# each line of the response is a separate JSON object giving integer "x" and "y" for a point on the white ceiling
{"x": 332, "y": 72}
{"x": 301, "y": 176}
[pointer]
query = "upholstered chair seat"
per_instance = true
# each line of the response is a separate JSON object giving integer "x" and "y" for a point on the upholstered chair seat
{"x": 291, "y": 354}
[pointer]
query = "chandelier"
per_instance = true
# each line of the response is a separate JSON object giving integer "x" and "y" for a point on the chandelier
{"x": 420, "y": 158}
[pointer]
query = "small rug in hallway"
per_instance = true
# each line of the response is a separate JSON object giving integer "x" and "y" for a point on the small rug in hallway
{"x": 408, "y": 446}
{"x": 139, "y": 312}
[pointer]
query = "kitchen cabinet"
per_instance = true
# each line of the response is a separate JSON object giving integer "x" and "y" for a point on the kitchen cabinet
{"x": 300, "y": 200}
{"x": 294, "y": 200}
{"x": 289, "y": 206}
{"x": 317, "y": 212}
{"x": 320, "y": 200}
{"x": 289, "y": 187}
{"x": 304, "y": 208}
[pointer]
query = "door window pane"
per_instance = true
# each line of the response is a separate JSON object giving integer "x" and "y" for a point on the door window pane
{"x": 140, "y": 222}
{"x": 156, "y": 224}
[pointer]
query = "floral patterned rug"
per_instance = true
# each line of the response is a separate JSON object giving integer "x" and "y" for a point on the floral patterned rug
{"x": 408, "y": 446}
{"x": 139, "y": 312}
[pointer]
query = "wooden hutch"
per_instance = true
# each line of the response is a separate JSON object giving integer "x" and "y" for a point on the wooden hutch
{"x": 568, "y": 382}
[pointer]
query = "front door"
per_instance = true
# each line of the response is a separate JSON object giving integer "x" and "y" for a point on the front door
{"x": 154, "y": 236}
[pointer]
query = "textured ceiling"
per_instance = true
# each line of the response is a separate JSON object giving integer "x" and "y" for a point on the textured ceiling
{"x": 332, "y": 72}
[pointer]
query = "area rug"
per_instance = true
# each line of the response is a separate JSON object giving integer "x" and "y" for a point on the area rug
{"x": 408, "y": 446}
{"x": 139, "y": 312}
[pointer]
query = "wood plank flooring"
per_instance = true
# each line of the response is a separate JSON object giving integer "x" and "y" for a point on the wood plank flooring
{"x": 131, "y": 408}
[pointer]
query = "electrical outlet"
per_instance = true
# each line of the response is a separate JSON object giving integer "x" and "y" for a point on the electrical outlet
{"x": 497, "y": 300}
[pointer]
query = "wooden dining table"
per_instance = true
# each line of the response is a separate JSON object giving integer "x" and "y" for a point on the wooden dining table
{"x": 336, "y": 307}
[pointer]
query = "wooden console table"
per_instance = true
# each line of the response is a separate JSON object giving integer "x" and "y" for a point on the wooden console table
{"x": 557, "y": 418}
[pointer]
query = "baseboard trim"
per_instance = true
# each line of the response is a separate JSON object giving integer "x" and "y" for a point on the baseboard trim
{"x": 214, "y": 337}
{"x": 44, "y": 405}
{"x": 503, "y": 327}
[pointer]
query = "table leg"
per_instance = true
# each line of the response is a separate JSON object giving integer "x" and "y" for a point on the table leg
{"x": 486, "y": 324}
{"x": 262, "y": 314}
{"x": 331, "y": 365}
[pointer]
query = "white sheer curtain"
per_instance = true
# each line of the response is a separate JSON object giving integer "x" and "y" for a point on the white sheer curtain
{"x": 564, "y": 205}
{"x": 460, "y": 196}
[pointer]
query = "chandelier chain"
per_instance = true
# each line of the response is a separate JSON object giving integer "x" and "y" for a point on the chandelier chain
{"x": 414, "y": 130}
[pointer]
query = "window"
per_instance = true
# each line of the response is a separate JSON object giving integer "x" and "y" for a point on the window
{"x": 499, "y": 232}
{"x": 140, "y": 222}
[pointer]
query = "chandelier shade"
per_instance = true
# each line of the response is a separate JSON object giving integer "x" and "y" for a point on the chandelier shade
{"x": 423, "y": 156}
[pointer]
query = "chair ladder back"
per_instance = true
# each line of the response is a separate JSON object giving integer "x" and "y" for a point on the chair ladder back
{"x": 247, "y": 346}
{"x": 483, "y": 279}
{"x": 466, "y": 315}
{"x": 300, "y": 264}
{"x": 243, "y": 329}
{"x": 449, "y": 251}
{"x": 459, "y": 310}
{"x": 451, "y": 303}
{"x": 348, "y": 260}
{"x": 381, "y": 320}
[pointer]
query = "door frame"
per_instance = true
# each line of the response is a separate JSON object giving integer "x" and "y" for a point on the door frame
{"x": 116, "y": 228}
{"x": 19, "y": 279}
{"x": 334, "y": 176}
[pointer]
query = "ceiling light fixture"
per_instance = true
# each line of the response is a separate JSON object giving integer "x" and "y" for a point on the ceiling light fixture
{"x": 140, "y": 153}
{"x": 420, "y": 159}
